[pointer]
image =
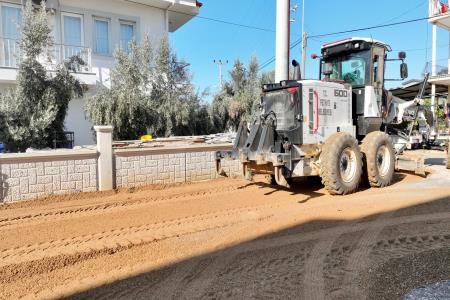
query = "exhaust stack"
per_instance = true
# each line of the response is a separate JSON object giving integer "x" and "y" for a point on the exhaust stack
{"x": 297, "y": 73}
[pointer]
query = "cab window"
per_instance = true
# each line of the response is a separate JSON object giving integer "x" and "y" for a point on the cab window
{"x": 351, "y": 68}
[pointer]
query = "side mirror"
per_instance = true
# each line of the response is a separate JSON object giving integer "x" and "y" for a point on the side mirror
{"x": 403, "y": 71}
{"x": 401, "y": 55}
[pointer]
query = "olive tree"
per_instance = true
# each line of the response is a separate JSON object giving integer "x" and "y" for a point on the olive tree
{"x": 239, "y": 96}
{"x": 126, "y": 105}
{"x": 149, "y": 94}
{"x": 33, "y": 112}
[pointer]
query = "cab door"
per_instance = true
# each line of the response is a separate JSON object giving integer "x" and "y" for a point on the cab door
{"x": 378, "y": 67}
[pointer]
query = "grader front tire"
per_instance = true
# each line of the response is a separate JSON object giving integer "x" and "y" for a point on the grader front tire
{"x": 341, "y": 164}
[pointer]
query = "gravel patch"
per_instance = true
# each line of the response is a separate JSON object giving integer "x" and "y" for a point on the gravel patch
{"x": 394, "y": 278}
{"x": 437, "y": 291}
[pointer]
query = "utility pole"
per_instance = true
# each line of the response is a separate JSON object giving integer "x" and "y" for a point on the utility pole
{"x": 304, "y": 41}
{"x": 433, "y": 73}
{"x": 220, "y": 63}
{"x": 282, "y": 40}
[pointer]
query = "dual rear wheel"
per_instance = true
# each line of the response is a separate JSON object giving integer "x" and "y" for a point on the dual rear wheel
{"x": 344, "y": 163}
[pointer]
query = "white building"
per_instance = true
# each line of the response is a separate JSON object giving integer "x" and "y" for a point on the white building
{"x": 92, "y": 29}
{"x": 439, "y": 17}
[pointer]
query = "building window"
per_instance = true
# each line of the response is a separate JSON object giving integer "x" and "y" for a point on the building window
{"x": 73, "y": 30}
{"x": 101, "y": 36}
{"x": 72, "y": 35}
{"x": 127, "y": 34}
{"x": 11, "y": 22}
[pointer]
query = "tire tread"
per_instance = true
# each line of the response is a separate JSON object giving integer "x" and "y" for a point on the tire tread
{"x": 369, "y": 148}
{"x": 328, "y": 172}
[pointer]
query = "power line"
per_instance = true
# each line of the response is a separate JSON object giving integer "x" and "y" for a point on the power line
{"x": 270, "y": 61}
{"x": 371, "y": 27}
{"x": 297, "y": 42}
{"x": 422, "y": 49}
{"x": 230, "y": 23}
{"x": 421, "y": 3}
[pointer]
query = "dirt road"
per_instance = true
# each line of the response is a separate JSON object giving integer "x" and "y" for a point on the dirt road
{"x": 230, "y": 239}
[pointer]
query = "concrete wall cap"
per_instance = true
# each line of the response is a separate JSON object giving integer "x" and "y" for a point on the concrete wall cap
{"x": 47, "y": 155}
{"x": 172, "y": 149}
{"x": 103, "y": 128}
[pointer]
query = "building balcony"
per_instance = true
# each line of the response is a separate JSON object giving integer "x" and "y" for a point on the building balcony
{"x": 442, "y": 79}
{"x": 179, "y": 11}
{"x": 56, "y": 55}
{"x": 439, "y": 13}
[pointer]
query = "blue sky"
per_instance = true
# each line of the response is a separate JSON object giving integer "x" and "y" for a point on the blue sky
{"x": 201, "y": 41}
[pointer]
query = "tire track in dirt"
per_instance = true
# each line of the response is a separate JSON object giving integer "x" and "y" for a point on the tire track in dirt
{"x": 200, "y": 284}
{"x": 358, "y": 259}
{"x": 196, "y": 279}
{"x": 205, "y": 279}
{"x": 171, "y": 286}
{"x": 313, "y": 281}
{"x": 168, "y": 287}
{"x": 47, "y": 263}
{"x": 331, "y": 232}
{"x": 127, "y": 235}
{"x": 101, "y": 208}
{"x": 399, "y": 243}
{"x": 199, "y": 280}
{"x": 406, "y": 245}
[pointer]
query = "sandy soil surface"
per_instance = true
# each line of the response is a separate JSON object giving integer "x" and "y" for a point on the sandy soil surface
{"x": 230, "y": 239}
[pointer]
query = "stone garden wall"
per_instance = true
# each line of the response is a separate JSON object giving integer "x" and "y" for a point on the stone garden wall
{"x": 27, "y": 176}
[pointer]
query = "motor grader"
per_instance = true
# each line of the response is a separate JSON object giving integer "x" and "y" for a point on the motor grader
{"x": 342, "y": 127}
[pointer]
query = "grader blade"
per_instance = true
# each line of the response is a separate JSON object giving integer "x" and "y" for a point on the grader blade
{"x": 414, "y": 164}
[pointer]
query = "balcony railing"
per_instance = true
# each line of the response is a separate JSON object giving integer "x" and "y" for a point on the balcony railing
{"x": 438, "y": 8}
{"x": 57, "y": 54}
{"x": 9, "y": 53}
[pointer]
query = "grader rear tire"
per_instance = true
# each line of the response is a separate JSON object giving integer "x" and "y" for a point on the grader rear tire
{"x": 379, "y": 159}
{"x": 341, "y": 164}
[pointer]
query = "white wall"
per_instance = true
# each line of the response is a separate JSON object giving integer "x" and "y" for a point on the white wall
{"x": 77, "y": 122}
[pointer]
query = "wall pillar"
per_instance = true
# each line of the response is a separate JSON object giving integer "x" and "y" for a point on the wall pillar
{"x": 105, "y": 159}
